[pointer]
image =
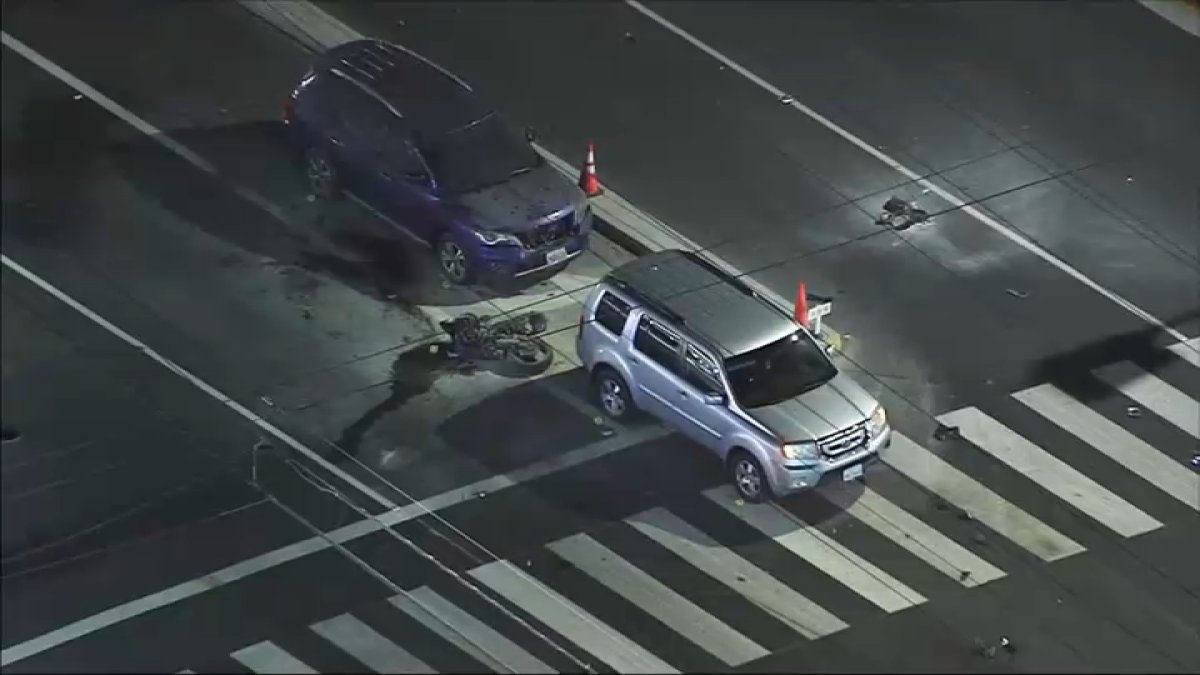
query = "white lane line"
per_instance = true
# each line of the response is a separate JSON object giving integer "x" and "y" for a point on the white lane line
{"x": 1050, "y": 472}
{"x": 657, "y": 599}
{"x": 1153, "y": 394}
{"x": 1188, "y": 351}
{"x": 270, "y": 659}
{"x": 707, "y": 555}
{"x": 820, "y": 551}
{"x": 915, "y": 536}
{"x": 1000, "y": 228}
{"x": 342, "y": 535}
{"x": 569, "y": 620}
{"x": 367, "y": 646}
{"x": 1112, "y": 440}
{"x": 194, "y": 159}
{"x": 461, "y": 629}
{"x": 942, "y": 479}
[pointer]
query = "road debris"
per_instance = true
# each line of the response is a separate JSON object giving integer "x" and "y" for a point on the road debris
{"x": 267, "y": 400}
{"x": 786, "y": 99}
{"x": 1133, "y": 411}
{"x": 943, "y": 433}
{"x": 1016, "y": 294}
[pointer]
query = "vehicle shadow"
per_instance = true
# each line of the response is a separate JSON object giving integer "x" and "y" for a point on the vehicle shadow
{"x": 257, "y": 200}
{"x": 1071, "y": 371}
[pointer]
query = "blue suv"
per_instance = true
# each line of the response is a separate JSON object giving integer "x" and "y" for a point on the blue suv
{"x": 418, "y": 145}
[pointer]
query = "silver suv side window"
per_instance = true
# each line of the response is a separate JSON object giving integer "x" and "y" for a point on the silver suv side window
{"x": 701, "y": 372}
{"x": 658, "y": 343}
{"x": 611, "y": 312}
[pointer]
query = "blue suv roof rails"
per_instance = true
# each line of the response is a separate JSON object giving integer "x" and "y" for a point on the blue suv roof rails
{"x": 367, "y": 89}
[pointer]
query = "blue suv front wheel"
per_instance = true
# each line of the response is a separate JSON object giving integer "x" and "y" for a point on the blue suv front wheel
{"x": 454, "y": 261}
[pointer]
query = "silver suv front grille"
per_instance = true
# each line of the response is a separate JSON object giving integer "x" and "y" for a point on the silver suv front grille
{"x": 843, "y": 441}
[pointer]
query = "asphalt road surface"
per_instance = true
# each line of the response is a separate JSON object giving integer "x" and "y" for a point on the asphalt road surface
{"x": 1063, "y": 520}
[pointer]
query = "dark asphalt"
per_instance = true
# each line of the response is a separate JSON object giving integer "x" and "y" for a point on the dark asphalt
{"x": 929, "y": 311}
{"x": 176, "y": 259}
{"x": 125, "y": 479}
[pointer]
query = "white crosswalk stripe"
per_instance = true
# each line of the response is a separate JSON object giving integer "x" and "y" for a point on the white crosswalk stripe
{"x": 1050, "y": 472}
{"x": 776, "y": 598}
{"x": 367, "y": 646}
{"x": 1114, "y": 441}
{"x": 911, "y": 533}
{"x": 268, "y": 658}
{"x": 1188, "y": 351}
{"x": 820, "y": 551}
{"x": 569, "y": 620}
{"x": 657, "y": 599}
{"x": 693, "y": 544}
{"x": 944, "y": 480}
{"x": 1155, "y": 395}
{"x": 472, "y": 636}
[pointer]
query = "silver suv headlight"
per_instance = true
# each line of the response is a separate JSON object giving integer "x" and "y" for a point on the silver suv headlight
{"x": 878, "y": 421}
{"x": 799, "y": 451}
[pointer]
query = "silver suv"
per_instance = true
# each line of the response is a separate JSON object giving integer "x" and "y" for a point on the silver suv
{"x": 672, "y": 335}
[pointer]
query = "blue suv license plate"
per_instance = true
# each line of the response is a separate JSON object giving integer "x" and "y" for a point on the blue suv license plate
{"x": 556, "y": 256}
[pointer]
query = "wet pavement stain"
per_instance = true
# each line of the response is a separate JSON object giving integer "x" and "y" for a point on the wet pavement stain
{"x": 413, "y": 373}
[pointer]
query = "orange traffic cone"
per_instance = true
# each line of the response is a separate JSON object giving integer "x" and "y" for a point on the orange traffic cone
{"x": 801, "y": 310}
{"x": 587, "y": 177}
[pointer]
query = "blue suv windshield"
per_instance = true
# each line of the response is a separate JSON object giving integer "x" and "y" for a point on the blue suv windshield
{"x": 781, "y": 370}
{"x": 478, "y": 156}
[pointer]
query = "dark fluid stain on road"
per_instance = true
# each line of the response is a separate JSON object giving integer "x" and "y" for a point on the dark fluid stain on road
{"x": 9, "y": 434}
{"x": 413, "y": 373}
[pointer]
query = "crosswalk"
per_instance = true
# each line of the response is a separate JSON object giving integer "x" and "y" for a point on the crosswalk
{"x": 617, "y": 601}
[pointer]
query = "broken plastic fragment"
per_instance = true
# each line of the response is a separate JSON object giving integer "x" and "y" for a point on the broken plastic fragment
{"x": 943, "y": 432}
{"x": 1133, "y": 411}
{"x": 1017, "y": 294}
{"x": 786, "y": 99}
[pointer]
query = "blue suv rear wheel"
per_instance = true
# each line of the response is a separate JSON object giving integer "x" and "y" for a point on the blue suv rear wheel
{"x": 454, "y": 261}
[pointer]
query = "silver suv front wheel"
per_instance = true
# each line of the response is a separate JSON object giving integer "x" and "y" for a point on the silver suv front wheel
{"x": 748, "y": 477}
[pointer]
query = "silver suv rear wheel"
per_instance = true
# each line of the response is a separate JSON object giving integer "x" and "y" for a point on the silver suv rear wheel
{"x": 613, "y": 395}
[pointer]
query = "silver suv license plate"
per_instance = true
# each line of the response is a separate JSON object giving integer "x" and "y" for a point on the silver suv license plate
{"x": 852, "y": 472}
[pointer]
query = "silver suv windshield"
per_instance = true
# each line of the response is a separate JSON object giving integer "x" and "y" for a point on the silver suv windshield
{"x": 781, "y": 370}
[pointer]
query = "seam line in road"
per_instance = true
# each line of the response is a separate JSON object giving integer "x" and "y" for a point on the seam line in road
{"x": 1000, "y": 228}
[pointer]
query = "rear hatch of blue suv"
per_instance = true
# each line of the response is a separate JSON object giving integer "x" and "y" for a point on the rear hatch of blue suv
{"x": 419, "y": 146}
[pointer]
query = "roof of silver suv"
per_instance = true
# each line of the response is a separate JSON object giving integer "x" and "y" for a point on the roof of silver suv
{"x": 706, "y": 301}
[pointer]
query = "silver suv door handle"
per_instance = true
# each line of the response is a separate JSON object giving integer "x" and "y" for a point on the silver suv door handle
{"x": 683, "y": 394}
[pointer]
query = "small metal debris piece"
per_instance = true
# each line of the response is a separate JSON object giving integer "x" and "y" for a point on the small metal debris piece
{"x": 964, "y": 516}
{"x": 77, "y": 97}
{"x": 606, "y": 431}
{"x": 629, "y": 37}
{"x": 262, "y": 444}
{"x": 480, "y": 495}
{"x": 1007, "y": 645}
{"x": 739, "y": 502}
{"x": 1196, "y": 461}
{"x": 786, "y": 99}
{"x": 1129, "y": 179}
{"x": 598, "y": 420}
{"x": 1133, "y": 411}
{"x": 267, "y": 400}
{"x": 1016, "y": 294}
{"x": 400, "y": 22}
{"x": 943, "y": 432}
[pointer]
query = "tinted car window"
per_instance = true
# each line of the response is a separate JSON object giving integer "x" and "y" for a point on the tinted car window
{"x": 659, "y": 344}
{"x": 611, "y": 312}
{"x": 701, "y": 372}
{"x": 779, "y": 371}
{"x": 479, "y": 155}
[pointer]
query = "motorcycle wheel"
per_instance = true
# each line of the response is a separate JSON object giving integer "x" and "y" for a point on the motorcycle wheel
{"x": 528, "y": 357}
